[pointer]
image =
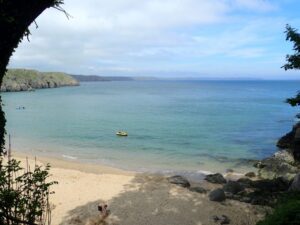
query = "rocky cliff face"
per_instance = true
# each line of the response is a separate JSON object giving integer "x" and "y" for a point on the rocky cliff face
{"x": 27, "y": 80}
{"x": 291, "y": 142}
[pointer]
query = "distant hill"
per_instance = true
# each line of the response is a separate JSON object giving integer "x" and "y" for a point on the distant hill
{"x": 26, "y": 80}
{"x": 94, "y": 78}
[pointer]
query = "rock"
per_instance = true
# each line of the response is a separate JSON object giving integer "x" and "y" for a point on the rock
{"x": 258, "y": 165}
{"x": 250, "y": 174}
{"x": 296, "y": 149}
{"x": 291, "y": 141}
{"x": 229, "y": 171}
{"x": 280, "y": 164}
{"x": 245, "y": 182}
{"x": 295, "y": 186}
{"x": 233, "y": 187}
{"x": 215, "y": 178}
{"x": 286, "y": 142}
{"x": 200, "y": 190}
{"x": 224, "y": 220}
{"x": 245, "y": 199}
{"x": 275, "y": 170}
{"x": 229, "y": 195}
{"x": 217, "y": 195}
{"x": 179, "y": 180}
{"x": 275, "y": 185}
{"x": 285, "y": 156}
{"x": 221, "y": 220}
{"x": 259, "y": 200}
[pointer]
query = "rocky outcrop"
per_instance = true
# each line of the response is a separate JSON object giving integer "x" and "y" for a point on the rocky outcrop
{"x": 291, "y": 141}
{"x": 28, "y": 80}
{"x": 281, "y": 164}
{"x": 295, "y": 186}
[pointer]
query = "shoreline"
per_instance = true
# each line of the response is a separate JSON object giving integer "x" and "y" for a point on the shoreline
{"x": 133, "y": 198}
{"x": 62, "y": 163}
{"x": 196, "y": 176}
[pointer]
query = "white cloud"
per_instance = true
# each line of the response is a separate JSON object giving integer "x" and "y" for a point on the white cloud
{"x": 137, "y": 35}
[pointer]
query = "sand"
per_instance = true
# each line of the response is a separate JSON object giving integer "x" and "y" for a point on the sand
{"x": 132, "y": 198}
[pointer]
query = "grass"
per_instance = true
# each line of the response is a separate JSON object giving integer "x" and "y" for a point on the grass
{"x": 287, "y": 211}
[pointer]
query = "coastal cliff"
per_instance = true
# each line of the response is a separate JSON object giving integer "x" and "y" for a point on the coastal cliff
{"x": 27, "y": 80}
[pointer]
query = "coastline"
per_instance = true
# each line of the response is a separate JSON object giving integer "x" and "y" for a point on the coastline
{"x": 133, "y": 198}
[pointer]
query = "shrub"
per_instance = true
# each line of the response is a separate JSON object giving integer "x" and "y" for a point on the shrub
{"x": 287, "y": 212}
{"x": 24, "y": 195}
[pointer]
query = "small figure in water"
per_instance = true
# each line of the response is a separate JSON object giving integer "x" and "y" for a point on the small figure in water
{"x": 21, "y": 107}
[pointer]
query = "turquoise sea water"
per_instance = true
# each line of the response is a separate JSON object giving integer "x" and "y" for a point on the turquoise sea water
{"x": 172, "y": 125}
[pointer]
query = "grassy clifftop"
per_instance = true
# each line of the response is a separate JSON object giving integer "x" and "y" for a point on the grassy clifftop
{"x": 26, "y": 80}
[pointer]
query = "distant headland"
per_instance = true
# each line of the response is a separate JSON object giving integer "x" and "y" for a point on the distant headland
{"x": 29, "y": 80}
{"x": 96, "y": 78}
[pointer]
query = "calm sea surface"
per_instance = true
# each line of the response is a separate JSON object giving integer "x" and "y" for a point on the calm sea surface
{"x": 172, "y": 125}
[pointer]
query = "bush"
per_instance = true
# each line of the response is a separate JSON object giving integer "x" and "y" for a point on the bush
{"x": 287, "y": 212}
{"x": 24, "y": 195}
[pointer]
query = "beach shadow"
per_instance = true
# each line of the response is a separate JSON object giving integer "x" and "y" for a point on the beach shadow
{"x": 152, "y": 200}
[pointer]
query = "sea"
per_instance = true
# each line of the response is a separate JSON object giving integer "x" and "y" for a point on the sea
{"x": 189, "y": 127}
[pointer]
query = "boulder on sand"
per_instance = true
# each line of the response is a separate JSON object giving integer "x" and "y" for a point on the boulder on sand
{"x": 179, "y": 180}
{"x": 216, "y": 178}
{"x": 233, "y": 187}
{"x": 200, "y": 190}
{"x": 217, "y": 195}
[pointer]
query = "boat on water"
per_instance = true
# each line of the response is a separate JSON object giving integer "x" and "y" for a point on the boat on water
{"x": 122, "y": 133}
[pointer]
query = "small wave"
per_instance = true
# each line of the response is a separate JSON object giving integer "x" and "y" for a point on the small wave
{"x": 205, "y": 172}
{"x": 69, "y": 157}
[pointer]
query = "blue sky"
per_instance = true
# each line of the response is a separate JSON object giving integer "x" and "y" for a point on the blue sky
{"x": 164, "y": 38}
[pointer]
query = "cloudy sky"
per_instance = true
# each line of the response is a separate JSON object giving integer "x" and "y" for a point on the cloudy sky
{"x": 163, "y": 38}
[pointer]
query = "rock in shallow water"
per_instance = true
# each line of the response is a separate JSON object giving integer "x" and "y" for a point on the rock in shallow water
{"x": 179, "y": 180}
{"x": 217, "y": 195}
{"x": 215, "y": 178}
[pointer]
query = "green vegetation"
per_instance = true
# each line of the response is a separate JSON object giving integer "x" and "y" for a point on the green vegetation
{"x": 24, "y": 196}
{"x": 287, "y": 212}
{"x": 26, "y": 80}
{"x": 293, "y": 61}
{"x": 15, "y": 18}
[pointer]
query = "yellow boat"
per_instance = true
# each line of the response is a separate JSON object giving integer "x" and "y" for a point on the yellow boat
{"x": 122, "y": 133}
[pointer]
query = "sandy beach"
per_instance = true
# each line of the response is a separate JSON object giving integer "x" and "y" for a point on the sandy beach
{"x": 132, "y": 198}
